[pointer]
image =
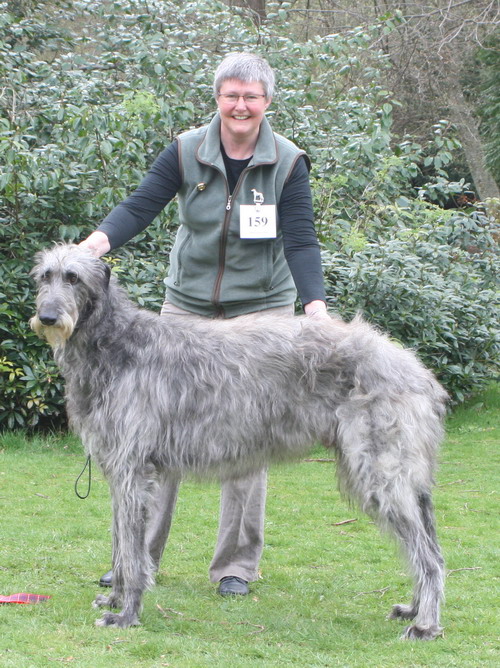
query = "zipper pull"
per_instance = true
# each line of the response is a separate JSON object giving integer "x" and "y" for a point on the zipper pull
{"x": 228, "y": 205}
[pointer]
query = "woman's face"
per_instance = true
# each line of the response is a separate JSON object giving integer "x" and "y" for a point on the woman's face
{"x": 242, "y": 107}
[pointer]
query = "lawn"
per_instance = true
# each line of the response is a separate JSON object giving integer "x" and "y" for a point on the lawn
{"x": 328, "y": 578}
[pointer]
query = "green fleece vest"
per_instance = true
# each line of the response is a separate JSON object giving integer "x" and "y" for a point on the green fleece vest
{"x": 212, "y": 271}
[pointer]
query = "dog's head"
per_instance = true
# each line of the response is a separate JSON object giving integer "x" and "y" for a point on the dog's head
{"x": 69, "y": 280}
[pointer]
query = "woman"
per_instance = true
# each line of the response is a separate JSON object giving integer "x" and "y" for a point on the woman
{"x": 245, "y": 244}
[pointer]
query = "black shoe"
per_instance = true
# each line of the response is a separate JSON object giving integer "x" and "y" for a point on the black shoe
{"x": 231, "y": 585}
{"x": 106, "y": 579}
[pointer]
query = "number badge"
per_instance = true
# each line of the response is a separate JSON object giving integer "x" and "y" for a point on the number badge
{"x": 257, "y": 222}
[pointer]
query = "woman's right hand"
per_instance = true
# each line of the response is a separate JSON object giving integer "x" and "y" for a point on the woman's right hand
{"x": 97, "y": 243}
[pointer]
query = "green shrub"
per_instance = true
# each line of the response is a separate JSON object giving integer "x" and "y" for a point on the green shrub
{"x": 431, "y": 287}
{"x": 30, "y": 386}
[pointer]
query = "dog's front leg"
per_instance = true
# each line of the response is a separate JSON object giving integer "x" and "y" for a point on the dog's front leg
{"x": 115, "y": 598}
{"x": 132, "y": 566}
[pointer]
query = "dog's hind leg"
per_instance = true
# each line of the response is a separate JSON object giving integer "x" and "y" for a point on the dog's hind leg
{"x": 417, "y": 535}
{"x": 390, "y": 477}
{"x": 409, "y": 517}
{"x": 132, "y": 565}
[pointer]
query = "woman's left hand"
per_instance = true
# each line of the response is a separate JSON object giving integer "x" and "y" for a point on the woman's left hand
{"x": 316, "y": 309}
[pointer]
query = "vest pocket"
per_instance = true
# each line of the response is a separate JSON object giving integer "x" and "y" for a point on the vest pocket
{"x": 269, "y": 267}
{"x": 179, "y": 264}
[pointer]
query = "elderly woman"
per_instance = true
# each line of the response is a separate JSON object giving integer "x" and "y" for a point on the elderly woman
{"x": 246, "y": 243}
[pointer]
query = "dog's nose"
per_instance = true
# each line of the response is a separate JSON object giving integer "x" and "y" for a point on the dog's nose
{"x": 48, "y": 318}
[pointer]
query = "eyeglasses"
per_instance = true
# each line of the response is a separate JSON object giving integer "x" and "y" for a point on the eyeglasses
{"x": 232, "y": 98}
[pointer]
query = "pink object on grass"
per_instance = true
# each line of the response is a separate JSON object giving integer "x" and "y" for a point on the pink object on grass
{"x": 23, "y": 598}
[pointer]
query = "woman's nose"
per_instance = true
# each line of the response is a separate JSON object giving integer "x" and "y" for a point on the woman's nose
{"x": 241, "y": 104}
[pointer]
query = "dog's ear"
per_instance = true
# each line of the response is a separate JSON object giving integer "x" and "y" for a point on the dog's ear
{"x": 107, "y": 275}
{"x": 36, "y": 271}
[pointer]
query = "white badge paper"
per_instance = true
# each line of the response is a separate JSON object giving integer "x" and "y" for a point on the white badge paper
{"x": 258, "y": 221}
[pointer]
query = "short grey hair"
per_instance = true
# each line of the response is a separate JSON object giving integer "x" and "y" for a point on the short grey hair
{"x": 246, "y": 67}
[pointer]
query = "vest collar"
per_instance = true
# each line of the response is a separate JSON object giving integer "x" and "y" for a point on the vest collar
{"x": 265, "y": 150}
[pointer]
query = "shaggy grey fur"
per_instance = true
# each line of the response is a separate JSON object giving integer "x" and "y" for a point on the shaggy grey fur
{"x": 155, "y": 396}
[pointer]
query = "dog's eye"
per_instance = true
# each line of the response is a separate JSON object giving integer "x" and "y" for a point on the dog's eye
{"x": 71, "y": 277}
{"x": 46, "y": 275}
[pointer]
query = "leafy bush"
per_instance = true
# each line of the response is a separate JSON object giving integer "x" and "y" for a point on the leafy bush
{"x": 431, "y": 287}
{"x": 29, "y": 383}
{"x": 91, "y": 93}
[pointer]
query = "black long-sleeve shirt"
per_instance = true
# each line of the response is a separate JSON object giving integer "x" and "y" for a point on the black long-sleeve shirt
{"x": 295, "y": 212}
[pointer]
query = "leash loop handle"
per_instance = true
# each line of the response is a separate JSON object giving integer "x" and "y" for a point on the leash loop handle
{"x": 88, "y": 464}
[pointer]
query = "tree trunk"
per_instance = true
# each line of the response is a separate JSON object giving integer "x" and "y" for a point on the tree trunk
{"x": 257, "y": 7}
{"x": 461, "y": 113}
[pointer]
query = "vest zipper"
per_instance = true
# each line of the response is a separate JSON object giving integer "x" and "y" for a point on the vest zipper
{"x": 223, "y": 243}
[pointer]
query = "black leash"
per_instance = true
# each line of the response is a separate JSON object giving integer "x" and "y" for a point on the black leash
{"x": 89, "y": 464}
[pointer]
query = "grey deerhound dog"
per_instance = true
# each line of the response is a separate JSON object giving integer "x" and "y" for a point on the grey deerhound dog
{"x": 153, "y": 397}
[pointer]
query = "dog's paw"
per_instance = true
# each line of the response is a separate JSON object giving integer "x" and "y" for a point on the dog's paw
{"x": 402, "y": 612}
{"x": 102, "y": 601}
{"x": 118, "y": 619}
{"x": 416, "y": 632}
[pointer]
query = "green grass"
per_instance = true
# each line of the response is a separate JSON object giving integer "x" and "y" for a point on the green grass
{"x": 325, "y": 591}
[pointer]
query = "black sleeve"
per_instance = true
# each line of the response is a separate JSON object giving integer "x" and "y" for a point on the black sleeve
{"x": 155, "y": 191}
{"x": 299, "y": 236}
